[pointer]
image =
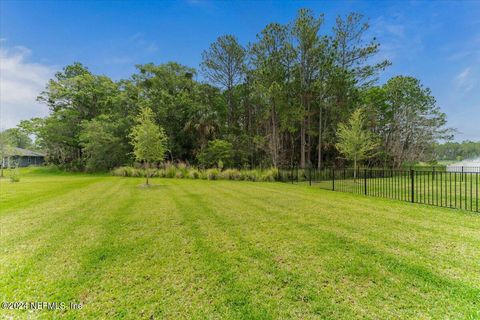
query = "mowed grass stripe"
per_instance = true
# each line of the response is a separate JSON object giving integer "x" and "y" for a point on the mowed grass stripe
{"x": 399, "y": 239}
{"x": 418, "y": 214}
{"x": 393, "y": 214}
{"x": 152, "y": 266}
{"x": 269, "y": 282}
{"x": 61, "y": 263}
{"x": 231, "y": 298}
{"x": 222, "y": 249}
{"x": 52, "y": 234}
{"x": 413, "y": 271}
{"x": 38, "y": 189}
{"x": 25, "y": 224}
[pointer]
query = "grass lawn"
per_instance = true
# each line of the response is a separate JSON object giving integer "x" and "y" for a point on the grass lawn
{"x": 198, "y": 249}
{"x": 454, "y": 190}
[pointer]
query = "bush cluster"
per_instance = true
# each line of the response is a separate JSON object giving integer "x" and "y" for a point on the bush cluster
{"x": 182, "y": 171}
{"x": 14, "y": 175}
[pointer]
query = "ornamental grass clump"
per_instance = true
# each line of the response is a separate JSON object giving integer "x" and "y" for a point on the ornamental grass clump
{"x": 213, "y": 174}
{"x": 120, "y": 171}
{"x": 183, "y": 171}
{"x": 250, "y": 175}
{"x": 193, "y": 173}
{"x": 128, "y": 172}
{"x": 170, "y": 171}
{"x": 161, "y": 173}
{"x": 203, "y": 174}
{"x": 231, "y": 174}
{"x": 179, "y": 174}
{"x": 136, "y": 172}
{"x": 269, "y": 175}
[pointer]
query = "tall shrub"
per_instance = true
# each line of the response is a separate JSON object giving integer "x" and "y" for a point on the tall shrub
{"x": 148, "y": 139}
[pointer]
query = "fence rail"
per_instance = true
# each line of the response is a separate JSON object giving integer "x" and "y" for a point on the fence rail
{"x": 452, "y": 189}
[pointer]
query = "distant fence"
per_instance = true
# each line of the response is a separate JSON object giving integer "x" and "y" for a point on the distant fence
{"x": 452, "y": 189}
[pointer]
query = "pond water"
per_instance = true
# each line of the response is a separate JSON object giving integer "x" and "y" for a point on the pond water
{"x": 469, "y": 165}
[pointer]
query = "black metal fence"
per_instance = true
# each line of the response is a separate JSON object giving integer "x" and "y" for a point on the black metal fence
{"x": 453, "y": 189}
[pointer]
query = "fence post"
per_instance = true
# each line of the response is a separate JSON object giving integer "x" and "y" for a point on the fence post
{"x": 291, "y": 173}
{"x": 412, "y": 178}
{"x": 365, "y": 179}
{"x": 333, "y": 179}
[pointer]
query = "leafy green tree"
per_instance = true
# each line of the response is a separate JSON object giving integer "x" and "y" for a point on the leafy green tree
{"x": 58, "y": 134}
{"x": 354, "y": 68}
{"x": 452, "y": 150}
{"x": 73, "y": 96}
{"x": 296, "y": 82}
{"x": 224, "y": 65}
{"x": 354, "y": 141}
{"x": 272, "y": 57}
{"x": 17, "y": 138}
{"x": 102, "y": 147}
{"x": 203, "y": 122}
{"x": 305, "y": 31}
{"x": 176, "y": 100}
{"x": 405, "y": 115}
{"x": 5, "y": 152}
{"x": 216, "y": 153}
{"x": 354, "y": 49}
{"x": 148, "y": 139}
{"x": 31, "y": 127}
{"x": 76, "y": 88}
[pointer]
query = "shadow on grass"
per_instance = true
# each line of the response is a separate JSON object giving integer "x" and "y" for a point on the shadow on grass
{"x": 152, "y": 186}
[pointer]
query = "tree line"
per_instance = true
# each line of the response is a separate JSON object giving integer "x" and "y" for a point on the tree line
{"x": 457, "y": 150}
{"x": 276, "y": 101}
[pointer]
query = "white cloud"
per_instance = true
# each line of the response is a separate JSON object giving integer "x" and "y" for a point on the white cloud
{"x": 464, "y": 80}
{"x": 395, "y": 29}
{"x": 399, "y": 38}
{"x": 462, "y": 77}
{"x": 466, "y": 49}
{"x": 459, "y": 55}
{"x": 20, "y": 83}
{"x": 139, "y": 40}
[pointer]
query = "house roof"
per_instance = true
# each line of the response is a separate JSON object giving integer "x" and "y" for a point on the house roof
{"x": 25, "y": 153}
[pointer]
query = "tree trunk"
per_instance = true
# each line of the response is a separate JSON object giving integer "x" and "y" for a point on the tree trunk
{"x": 147, "y": 171}
{"x": 250, "y": 134}
{"x": 302, "y": 144}
{"x": 309, "y": 138}
{"x": 292, "y": 152}
{"x": 274, "y": 138}
{"x": 319, "y": 160}
{"x": 230, "y": 107}
{"x": 354, "y": 169}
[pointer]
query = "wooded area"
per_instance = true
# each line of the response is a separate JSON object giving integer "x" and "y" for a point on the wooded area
{"x": 275, "y": 102}
{"x": 457, "y": 151}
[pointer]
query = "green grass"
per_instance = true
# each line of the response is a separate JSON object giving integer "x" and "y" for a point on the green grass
{"x": 198, "y": 249}
{"x": 452, "y": 190}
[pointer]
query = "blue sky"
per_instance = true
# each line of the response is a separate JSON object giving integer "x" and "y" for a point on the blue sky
{"x": 437, "y": 42}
